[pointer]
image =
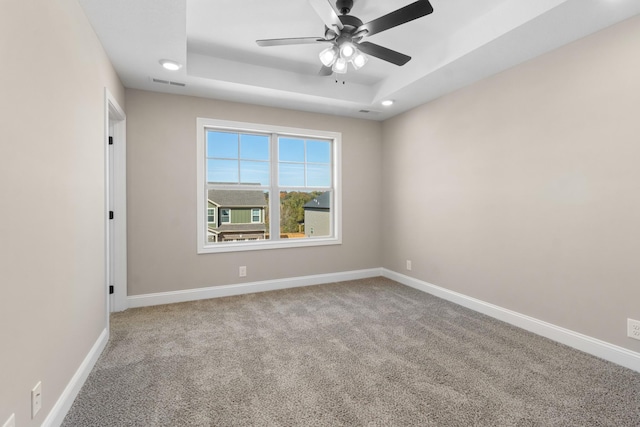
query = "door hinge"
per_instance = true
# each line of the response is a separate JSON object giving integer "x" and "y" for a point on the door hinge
{"x": 110, "y": 140}
{"x": 110, "y": 214}
{"x": 110, "y": 289}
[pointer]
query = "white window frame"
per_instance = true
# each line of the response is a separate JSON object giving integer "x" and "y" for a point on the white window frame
{"x": 274, "y": 242}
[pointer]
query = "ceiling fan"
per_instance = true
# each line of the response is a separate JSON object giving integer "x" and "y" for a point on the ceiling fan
{"x": 345, "y": 32}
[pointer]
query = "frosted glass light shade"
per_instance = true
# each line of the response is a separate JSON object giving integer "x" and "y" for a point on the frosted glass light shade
{"x": 340, "y": 66}
{"x": 347, "y": 50}
{"x": 328, "y": 56}
{"x": 359, "y": 60}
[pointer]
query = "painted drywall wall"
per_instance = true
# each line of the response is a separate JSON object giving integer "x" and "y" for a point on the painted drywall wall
{"x": 52, "y": 291}
{"x": 523, "y": 190}
{"x": 161, "y": 197}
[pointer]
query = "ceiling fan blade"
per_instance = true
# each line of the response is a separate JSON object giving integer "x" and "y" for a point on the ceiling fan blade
{"x": 383, "y": 53}
{"x": 295, "y": 40}
{"x": 325, "y": 71}
{"x": 403, "y": 15}
{"x": 326, "y": 13}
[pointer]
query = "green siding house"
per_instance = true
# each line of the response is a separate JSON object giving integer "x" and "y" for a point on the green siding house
{"x": 236, "y": 215}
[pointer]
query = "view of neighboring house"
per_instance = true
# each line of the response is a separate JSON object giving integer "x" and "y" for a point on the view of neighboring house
{"x": 317, "y": 216}
{"x": 236, "y": 215}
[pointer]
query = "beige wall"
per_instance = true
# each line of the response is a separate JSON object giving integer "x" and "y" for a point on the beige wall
{"x": 52, "y": 294}
{"x": 161, "y": 197}
{"x": 523, "y": 190}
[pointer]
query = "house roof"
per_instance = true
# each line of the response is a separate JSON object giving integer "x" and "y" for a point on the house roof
{"x": 322, "y": 202}
{"x": 237, "y": 198}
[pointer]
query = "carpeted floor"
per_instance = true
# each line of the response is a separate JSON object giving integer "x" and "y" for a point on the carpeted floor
{"x": 361, "y": 353}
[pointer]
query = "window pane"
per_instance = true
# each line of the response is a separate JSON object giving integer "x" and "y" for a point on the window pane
{"x": 222, "y": 171}
{"x": 291, "y": 175}
{"x": 254, "y": 147}
{"x": 254, "y": 172}
{"x": 225, "y": 171}
{"x": 292, "y": 213}
{"x": 319, "y": 151}
{"x": 317, "y": 216}
{"x": 305, "y": 214}
{"x": 242, "y": 216}
{"x": 318, "y": 175}
{"x": 222, "y": 144}
{"x": 290, "y": 150}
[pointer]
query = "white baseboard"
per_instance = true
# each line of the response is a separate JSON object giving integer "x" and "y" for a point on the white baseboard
{"x": 62, "y": 406}
{"x": 247, "y": 288}
{"x": 593, "y": 346}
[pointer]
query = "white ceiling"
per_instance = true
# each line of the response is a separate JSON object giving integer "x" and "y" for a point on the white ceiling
{"x": 461, "y": 42}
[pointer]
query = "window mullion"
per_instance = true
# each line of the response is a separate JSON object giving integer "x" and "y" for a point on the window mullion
{"x": 274, "y": 199}
{"x": 239, "y": 168}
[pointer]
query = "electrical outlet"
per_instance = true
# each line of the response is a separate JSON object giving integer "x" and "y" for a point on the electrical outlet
{"x": 11, "y": 422}
{"x": 409, "y": 264}
{"x": 243, "y": 271}
{"x": 633, "y": 329}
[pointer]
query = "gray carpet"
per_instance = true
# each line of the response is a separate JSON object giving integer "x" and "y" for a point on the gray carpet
{"x": 360, "y": 353}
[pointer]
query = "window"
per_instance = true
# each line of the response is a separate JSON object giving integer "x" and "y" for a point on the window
{"x": 255, "y": 215}
{"x": 273, "y": 185}
{"x": 211, "y": 215}
{"x": 225, "y": 216}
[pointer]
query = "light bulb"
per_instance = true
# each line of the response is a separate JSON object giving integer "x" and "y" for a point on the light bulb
{"x": 170, "y": 65}
{"x": 347, "y": 50}
{"x": 340, "y": 66}
{"x": 359, "y": 60}
{"x": 328, "y": 56}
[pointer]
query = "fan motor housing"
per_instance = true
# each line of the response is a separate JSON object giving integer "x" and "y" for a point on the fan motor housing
{"x": 344, "y": 6}
{"x": 351, "y": 24}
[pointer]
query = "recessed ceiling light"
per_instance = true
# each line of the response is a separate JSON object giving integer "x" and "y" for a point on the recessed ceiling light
{"x": 170, "y": 65}
{"x": 387, "y": 102}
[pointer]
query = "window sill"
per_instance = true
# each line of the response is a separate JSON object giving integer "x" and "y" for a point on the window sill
{"x": 268, "y": 245}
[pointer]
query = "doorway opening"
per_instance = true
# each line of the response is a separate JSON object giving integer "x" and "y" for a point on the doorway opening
{"x": 116, "y": 209}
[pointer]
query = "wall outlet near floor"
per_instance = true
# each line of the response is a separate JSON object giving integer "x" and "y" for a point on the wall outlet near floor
{"x": 633, "y": 329}
{"x": 242, "y": 272}
{"x": 36, "y": 399}
{"x": 409, "y": 264}
{"x": 11, "y": 422}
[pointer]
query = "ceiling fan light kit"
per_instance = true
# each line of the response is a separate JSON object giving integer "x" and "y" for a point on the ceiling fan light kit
{"x": 339, "y": 58}
{"x": 345, "y": 33}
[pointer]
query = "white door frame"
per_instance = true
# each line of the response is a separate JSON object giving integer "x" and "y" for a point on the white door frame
{"x": 116, "y": 201}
